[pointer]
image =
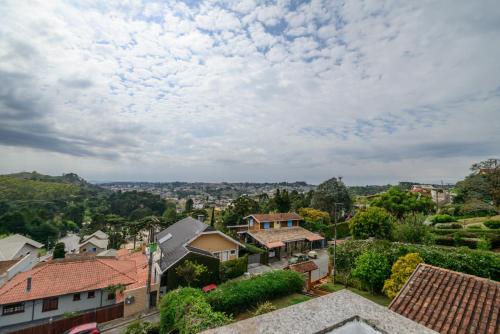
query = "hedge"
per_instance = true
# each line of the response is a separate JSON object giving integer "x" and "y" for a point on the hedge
{"x": 233, "y": 268}
{"x": 474, "y": 262}
{"x": 443, "y": 226}
{"x": 186, "y": 311}
{"x": 238, "y": 296}
{"x": 443, "y": 219}
{"x": 493, "y": 224}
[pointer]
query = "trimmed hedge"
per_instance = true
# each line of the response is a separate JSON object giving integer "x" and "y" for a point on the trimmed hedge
{"x": 234, "y": 297}
{"x": 437, "y": 219}
{"x": 443, "y": 226}
{"x": 474, "y": 262}
{"x": 186, "y": 311}
{"x": 233, "y": 268}
{"x": 493, "y": 224}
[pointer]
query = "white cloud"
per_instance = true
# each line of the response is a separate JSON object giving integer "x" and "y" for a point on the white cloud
{"x": 373, "y": 91}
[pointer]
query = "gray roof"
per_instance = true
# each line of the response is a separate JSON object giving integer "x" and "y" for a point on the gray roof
{"x": 174, "y": 248}
{"x": 71, "y": 242}
{"x": 101, "y": 243}
{"x": 10, "y": 245}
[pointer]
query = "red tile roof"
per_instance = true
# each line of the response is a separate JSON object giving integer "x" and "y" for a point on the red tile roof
{"x": 450, "y": 302}
{"x": 304, "y": 267}
{"x": 271, "y": 217}
{"x": 67, "y": 276}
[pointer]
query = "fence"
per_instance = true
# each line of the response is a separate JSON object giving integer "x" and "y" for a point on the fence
{"x": 61, "y": 325}
{"x": 253, "y": 258}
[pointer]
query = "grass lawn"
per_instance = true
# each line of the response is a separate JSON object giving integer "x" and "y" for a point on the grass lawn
{"x": 281, "y": 302}
{"x": 379, "y": 299}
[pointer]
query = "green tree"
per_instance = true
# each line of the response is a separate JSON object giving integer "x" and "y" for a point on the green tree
{"x": 13, "y": 222}
{"x": 170, "y": 215}
{"x": 280, "y": 201}
{"x": 59, "y": 252}
{"x": 372, "y": 269}
{"x": 401, "y": 271}
{"x": 239, "y": 208}
{"x": 372, "y": 223}
{"x": 399, "y": 202}
{"x": 189, "y": 205}
{"x": 330, "y": 192}
{"x": 190, "y": 271}
{"x": 490, "y": 171}
{"x": 412, "y": 229}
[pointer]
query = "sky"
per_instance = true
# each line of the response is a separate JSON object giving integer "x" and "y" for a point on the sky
{"x": 374, "y": 91}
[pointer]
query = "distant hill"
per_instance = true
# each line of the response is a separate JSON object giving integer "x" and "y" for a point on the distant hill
{"x": 367, "y": 190}
{"x": 36, "y": 186}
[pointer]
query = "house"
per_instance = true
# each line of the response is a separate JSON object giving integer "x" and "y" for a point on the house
{"x": 341, "y": 312}
{"x": 78, "y": 284}
{"x": 191, "y": 239}
{"x": 450, "y": 302}
{"x": 96, "y": 243}
{"x": 71, "y": 243}
{"x": 279, "y": 233}
{"x": 18, "y": 246}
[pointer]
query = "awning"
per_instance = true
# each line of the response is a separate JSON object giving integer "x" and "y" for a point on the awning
{"x": 314, "y": 237}
{"x": 275, "y": 244}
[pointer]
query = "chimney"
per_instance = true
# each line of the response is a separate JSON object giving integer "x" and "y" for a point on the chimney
{"x": 28, "y": 284}
{"x": 200, "y": 218}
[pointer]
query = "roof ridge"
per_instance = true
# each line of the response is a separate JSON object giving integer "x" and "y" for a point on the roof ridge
{"x": 121, "y": 272}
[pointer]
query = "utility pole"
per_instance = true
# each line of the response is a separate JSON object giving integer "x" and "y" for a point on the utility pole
{"x": 151, "y": 248}
{"x": 335, "y": 239}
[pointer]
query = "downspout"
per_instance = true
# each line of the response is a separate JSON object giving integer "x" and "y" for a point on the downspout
{"x": 101, "y": 296}
{"x": 33, "y": 311}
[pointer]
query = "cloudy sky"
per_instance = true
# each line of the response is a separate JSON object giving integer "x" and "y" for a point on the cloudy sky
{"x": 249, "y": 90}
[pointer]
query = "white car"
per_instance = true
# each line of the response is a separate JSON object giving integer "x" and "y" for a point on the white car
{"x": 313, "y": 254}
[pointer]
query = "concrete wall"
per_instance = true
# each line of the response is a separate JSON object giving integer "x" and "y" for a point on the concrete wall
{"x": 139, "y": 303}
{"x": 65, "y": 304}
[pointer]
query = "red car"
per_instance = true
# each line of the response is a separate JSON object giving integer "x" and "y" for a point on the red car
{"x": 90, "y": 328}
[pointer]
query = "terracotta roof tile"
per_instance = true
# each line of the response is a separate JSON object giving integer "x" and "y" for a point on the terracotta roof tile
{"x": 304, "y": 267}
{"x": 450, "y": 302}
{"x": 61, "y": 277}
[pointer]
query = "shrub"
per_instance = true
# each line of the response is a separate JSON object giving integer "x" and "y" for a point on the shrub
{"x": 265, "y": 307}
{"x": 374, "y": 222}
{"x": 142, "y": 327}
{"x": 473, "y": 262}
{"x": 437, "y": 219}
{"x": 186, "y": 311}
{"x": 401, "y": 271}
{"x": 190, "y": 271}
{"x": 453, "y": 226}
{"x": 493, "y": 224}
{"x": 483, "y": 244}
{"x": 238, "y": 296}
{"x": 233, "y": 268}
{"x": 253, "y": 249}
{"x": 372, "y": 269}
{"x": 343, "y": 230}
{"x": 412, "y": 229}
{"x": 59, "y": 251}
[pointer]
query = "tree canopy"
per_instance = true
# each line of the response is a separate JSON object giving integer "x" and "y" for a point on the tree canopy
{"x": 330, "y": 192}
{"x": 399, "y": 202}
{"x": 372, "y": 223}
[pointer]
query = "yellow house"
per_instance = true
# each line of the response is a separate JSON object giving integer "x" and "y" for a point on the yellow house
{"x": 191, "y": 239}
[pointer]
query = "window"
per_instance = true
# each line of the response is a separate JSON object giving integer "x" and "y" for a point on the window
{"x": 266, "y": 226}
{"x": 111, "y": 296}
{"x": 94, "y": 249}
{"x": 251, "y": 221}
{"x": 13, "y": 308}
{"x": 290, "y": 223}
{"x": 91, "y": 294}
{"x": 50, "y": 304}
{"x": 233, "y": 251}
{"x": 76, "y": 297}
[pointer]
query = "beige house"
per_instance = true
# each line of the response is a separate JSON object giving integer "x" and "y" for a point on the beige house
{"x": 279, "y": 233}
{"x": 95, "y": 243}
{"x": 191, "y": 239}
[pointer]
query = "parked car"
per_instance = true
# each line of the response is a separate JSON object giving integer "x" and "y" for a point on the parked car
{"x": 297, "y": 258}
{"x": 313, "y": 254}
{"x": 90, "y": 328}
